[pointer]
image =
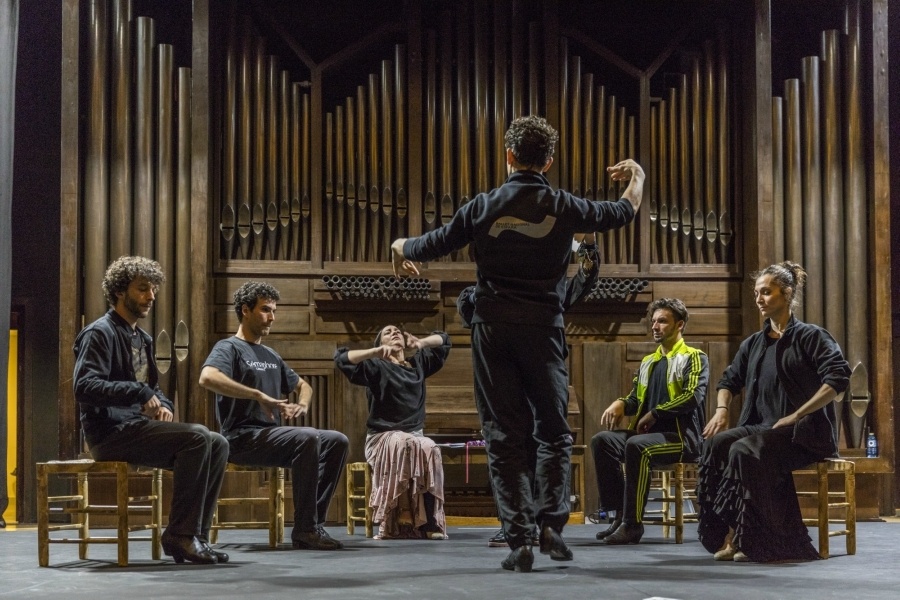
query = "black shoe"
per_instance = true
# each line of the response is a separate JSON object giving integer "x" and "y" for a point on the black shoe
{"x": 553, "y": 544}
{"x": 602, "y": 535}
{"x": 627, "y": 533}
{"x": 220, "y": 557}
{"x": 324, "y": 535}
{"x": 186, "y": 547}
{"x": 519, "y": 560}
{"x": 318, "y": 539}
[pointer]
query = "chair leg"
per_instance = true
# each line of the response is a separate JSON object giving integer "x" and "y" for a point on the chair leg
{"x": 348, "y": 472}
{"x": 679, "y": 503}
{"x": 84, "y": 519}
{"x": 273, "y": 507}
{"x": 276, "y": 506}
{"x": 156, "y": 532}
{"x": 850, "y": 497}
{"x": 280, "y": 531}
{"x": 368, "y": 488}
{"x": 43, "y": 517}
{"x": 822, "y": 477}
{"x": 665, "y": 489}
{"x": 214, "y": 529}
{"x": 122, "y": 510}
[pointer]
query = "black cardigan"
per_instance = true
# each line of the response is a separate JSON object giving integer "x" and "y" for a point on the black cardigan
{"x": 806, "y": 357}
{"x": 105, "y": 386}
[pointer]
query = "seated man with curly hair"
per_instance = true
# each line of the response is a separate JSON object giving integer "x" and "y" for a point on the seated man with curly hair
{"x": 126, "y": 417}
{"x": 251, "y": 382}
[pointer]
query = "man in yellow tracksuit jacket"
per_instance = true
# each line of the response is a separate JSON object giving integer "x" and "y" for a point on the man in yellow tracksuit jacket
{"x": 667, "y": 405}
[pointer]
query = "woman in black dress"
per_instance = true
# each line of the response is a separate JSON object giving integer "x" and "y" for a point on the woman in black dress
{"x": 790, "y": 373}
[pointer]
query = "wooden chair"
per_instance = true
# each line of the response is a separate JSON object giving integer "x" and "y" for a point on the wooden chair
{"x": 358, "y": 492}
{"x": 125, "y": 508}
{"x": 672, "y": 496}
{"x": 273, "y": 503}
{"x": 824, "y": 504}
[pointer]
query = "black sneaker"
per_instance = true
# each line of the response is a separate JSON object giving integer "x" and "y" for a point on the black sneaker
{"x": 498, "y": 540}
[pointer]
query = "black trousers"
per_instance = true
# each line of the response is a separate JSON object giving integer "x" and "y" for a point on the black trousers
{"x": 627, "y": 494}
{"x": 316, "y": 459}
{"x": 196, "y": 456}
{"x": 521, "y": 392}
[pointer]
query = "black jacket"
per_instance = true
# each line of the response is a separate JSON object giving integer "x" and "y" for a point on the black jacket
{"x": 522, "y": 238}
{"x": 806, "y": 357}
{"x": 105, "y": 386}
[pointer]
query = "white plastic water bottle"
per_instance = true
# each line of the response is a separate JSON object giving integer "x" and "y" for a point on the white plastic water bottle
{"x": 871, "y": 446}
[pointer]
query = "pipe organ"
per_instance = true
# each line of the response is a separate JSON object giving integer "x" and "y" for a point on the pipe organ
{"x": 820, "y": 198}
{"x": 137, "y": 174}
{"x": 692, "y": 202}
{"x": 264, "y": 212}
{"x": 315, "y": 149}
{"x": 365, "y": 202}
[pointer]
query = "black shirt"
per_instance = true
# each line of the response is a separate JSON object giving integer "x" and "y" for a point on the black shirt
{"x": 258, "y": 367}
{"x": 657, "y": 388}
{"x": 769, "y": 404}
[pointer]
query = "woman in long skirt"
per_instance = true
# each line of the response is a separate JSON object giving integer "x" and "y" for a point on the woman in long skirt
{"x": 790, "y": 372}
{"x": 408, "y": 478}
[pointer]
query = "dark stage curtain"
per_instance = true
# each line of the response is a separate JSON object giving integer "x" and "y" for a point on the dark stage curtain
{"x": 9, "y": 17}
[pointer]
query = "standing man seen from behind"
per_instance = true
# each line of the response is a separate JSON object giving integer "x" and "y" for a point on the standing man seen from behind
{"x": 126, "y": 417}
{"x": 667, "y": 402}
{"x": 250, "y": 381}
{"x": 521, "y": 235}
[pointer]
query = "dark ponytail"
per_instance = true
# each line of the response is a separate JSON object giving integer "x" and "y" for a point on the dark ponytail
{"x": 786, "y": 274}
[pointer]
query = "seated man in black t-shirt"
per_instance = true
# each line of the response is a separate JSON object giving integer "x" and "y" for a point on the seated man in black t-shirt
{"x": 250, "y": 381}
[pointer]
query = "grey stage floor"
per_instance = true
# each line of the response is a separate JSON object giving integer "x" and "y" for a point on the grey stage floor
{"x": 461, "y": 567}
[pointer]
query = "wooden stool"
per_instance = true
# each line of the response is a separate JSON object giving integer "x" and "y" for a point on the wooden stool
{"x": 823, "y": 496}
{"x": 358, "y": 493}
{"x": 673, "y": 494}
{"x": 123, "y": 509}
{"x": 274, "y": 503}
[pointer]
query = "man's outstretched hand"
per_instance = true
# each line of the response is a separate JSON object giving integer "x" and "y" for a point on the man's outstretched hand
{"x": 625, "y": 170}
{"x": 402, "y": 265}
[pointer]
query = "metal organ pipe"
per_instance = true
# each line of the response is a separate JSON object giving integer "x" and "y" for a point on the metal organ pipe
{"x": 812, "y": 192}
{"x": 96, "y": 178}
{"x": 120, "y": 177}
